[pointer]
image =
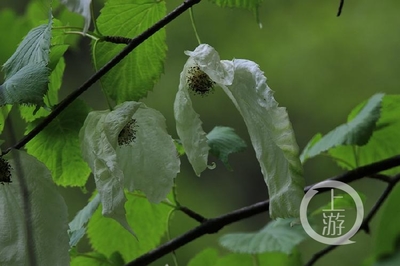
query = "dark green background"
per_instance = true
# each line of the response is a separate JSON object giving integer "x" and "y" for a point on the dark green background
{"x": 320, "y": 67}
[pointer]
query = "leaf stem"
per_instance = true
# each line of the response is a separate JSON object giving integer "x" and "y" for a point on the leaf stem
{"x": 194, "y": 25}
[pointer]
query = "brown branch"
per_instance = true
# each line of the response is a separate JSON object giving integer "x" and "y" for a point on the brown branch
{"x": 107, "y": 67}
{"x": 213, "y": 225}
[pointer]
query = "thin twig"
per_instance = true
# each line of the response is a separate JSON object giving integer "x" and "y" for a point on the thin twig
{"x": 340, "y": 8}
{"x": 320, "y": 254}
{"x": 192, "y": 214}
{"x": 215, "y": 224}
{"x": 365, "y": 224}
{"x": 379, "y": 202}
{"x": 113, "y": 62}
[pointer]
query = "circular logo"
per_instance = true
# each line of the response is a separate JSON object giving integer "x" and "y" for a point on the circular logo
{"x": 335, "y": 219}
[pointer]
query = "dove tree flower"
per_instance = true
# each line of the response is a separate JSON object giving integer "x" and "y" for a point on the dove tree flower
{"x": 268, "y": 124}
{"x": 130, "y": 148}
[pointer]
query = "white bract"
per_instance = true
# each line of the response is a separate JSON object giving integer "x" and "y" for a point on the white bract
{"x": 129, "y": 147}
{"x": 81, "y": 7}
{"x": 268, "y": 124}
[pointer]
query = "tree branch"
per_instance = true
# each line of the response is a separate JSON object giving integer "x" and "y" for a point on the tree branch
{"x": 107, "y": 67}
{"x": 213, "y": 225}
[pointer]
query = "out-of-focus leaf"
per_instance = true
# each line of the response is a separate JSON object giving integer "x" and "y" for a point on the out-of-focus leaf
{"x": 209, "y": 257}
{"x": 224, "y": 141}
{"x": 276, "y": 236}
{"x": 387, "y": 235}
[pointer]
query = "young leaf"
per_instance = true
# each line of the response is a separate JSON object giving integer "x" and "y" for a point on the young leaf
{"x": 27, "y": 86}
{"x": 81, "y": 7}
{"x": 47, "y": 223}
{"x": 77, "y": 227}
{"x": 224, "y": 141}
{"x": 268, "y": 124}
{"x": 26, "y": 72}
{"x": 57, "y": 146}
{"x": 384, "y": 142}
{"x": 148, "y": 220}
{"x": 134, "y": 76}
{"x": 34, "y": 49}
{"x": 276, "y": 236}
{"x": 27, "y": 112}
{"x": 355, "y": 132}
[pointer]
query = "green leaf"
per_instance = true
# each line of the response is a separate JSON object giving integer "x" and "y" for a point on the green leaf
{"x": 383, "y": 143}
{"x": 342, "y": 201}
{"x": 148, "y": 220}
{"x": 276, "y": 236}
{"x": 391, "y": 260}
{"x": 77, "y": 227}
{"x": 57, "y": 146}
{"x": 268, "y": 124}
{"x": 81, "y": 7}
{"x": 34, "y": 49}
{"x": 387, "y": 234}
{"x": 48, "y": 221}
{"x": 357, "y": 131}
{"x": 209, "y": 257}
{"x": 135, "y": 75}
{"x": 224, "y": 141}
{"x": 96, "y": 259}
